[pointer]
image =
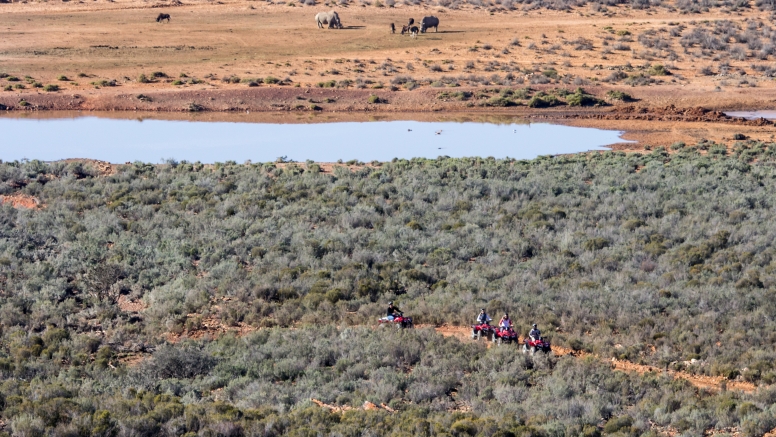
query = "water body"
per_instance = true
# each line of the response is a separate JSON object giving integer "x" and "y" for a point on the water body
{"x": 753, "y": 115}
{"x": 153, "y": 140}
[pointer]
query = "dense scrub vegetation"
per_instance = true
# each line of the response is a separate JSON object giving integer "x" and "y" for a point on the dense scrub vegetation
{"x": 654, "y": 258}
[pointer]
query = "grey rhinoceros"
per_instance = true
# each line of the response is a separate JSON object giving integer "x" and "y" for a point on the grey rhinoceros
{"x": 331, "y": 18}
{"x": 429, "y": 22}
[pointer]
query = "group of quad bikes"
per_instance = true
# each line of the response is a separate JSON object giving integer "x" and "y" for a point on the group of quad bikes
{"x": 501, "y": 335}
{"x": 497, "y": 335}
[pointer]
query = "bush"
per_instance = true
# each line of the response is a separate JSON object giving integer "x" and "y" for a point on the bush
{"x": 580, "y": 98}
{"x": 269, "y": 80}
{"x": 542, "y": 100}
{"x": 619, "y": 95}
{"x": 143, "y": 79}
{"x": 375, "y": 99}
{"x": 51, "y": 88}
{"x": 618, "y": 424}
{"x": 178, "y": 362}
{"x": 62, "y": 78}
{"x": 195, "y": 107}
{"x": 658, "y": 70}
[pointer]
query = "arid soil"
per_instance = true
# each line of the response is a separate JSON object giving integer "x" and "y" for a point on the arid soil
{"x": 259, "y": 56}
{"x": 22, "y": 201}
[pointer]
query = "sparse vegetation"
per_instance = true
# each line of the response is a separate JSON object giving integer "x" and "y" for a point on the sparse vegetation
{"x": 437, "y": 236}
{"x": 619, "y": 95}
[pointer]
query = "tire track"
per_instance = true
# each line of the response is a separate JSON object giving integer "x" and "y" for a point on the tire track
{"x": 716, "y": 383}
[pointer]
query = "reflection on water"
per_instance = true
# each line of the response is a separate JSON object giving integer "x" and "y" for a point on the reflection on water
{"x": 241, "y": 137}
{"x": 753, "y": 115}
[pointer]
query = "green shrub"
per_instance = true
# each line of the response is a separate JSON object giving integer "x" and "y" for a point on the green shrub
{"x": 581, "y": 98}
{"x": 542, "y": 100}
{"x": 619, "y": 95}
{"x": 454, "y": 95}
{"x": 658, "y": 70}
{"x": 618, "y": 424}
{"x": 269, "y": 80}
{"x": 597, "y": 243}
{"x": 51, "y": 87}
{"x": 374, "y": 99}
{"x": 142, "y": 78}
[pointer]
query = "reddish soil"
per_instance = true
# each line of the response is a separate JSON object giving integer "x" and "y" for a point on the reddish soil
{"x": 22, "y": 201}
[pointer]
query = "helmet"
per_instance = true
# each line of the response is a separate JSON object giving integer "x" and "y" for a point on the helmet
{"x": 534, "y": 325}
{"x": 390, "y": 303}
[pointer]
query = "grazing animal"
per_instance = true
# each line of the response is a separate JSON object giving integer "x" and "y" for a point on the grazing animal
{"x": 393, "y": 28}
{"x": 162, "y": 17}
{"x": 411, "y": 22}
{"x": 414, "y": 31}
{"x": 429, "y": 22}
{"x": 405, "y": 29}
{"x": 331, "y": 18}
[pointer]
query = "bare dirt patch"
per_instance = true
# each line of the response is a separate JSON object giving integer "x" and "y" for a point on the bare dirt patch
{"x": 24, "y": 201}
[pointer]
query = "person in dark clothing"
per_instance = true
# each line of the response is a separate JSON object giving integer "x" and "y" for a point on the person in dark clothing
{"x": 392, "y": 311}
{"x": 483, "y": 318}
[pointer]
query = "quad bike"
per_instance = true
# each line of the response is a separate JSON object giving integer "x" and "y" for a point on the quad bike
{"x": 400, "y": 321}
{"x": 531, "y": 346}
{"x": 482, "y": 330}
{"x": 501, "y": 335}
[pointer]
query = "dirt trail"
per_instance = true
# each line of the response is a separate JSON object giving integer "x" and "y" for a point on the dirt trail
{"x": 212, "y": 327}
{"x": 705, "y": 382}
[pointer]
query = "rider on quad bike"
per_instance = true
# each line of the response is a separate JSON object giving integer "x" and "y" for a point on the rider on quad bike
{"x": 535, "y": 334}
{"x": 483, "y": 318}
{"x": 505, "y": 322}
{"x": 482, "y": 328}
{"x": 392, "y": 312}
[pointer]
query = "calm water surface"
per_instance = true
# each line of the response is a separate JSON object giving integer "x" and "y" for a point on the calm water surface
{"x": 753, "y": 115}
{"x": 124, "y": 140}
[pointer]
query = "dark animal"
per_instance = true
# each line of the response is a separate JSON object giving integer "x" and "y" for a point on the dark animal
{"x": 405, "y": 29}
{"x": 429, "y": 22}
{"x": 393, "y": 28}
{"x": 414, "y": 31}
{"x": 162, "y": 17}
{"x": 411, "y": 22}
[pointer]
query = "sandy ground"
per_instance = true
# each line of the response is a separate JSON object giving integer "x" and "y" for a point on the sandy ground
{"x": 85, "y": 47}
